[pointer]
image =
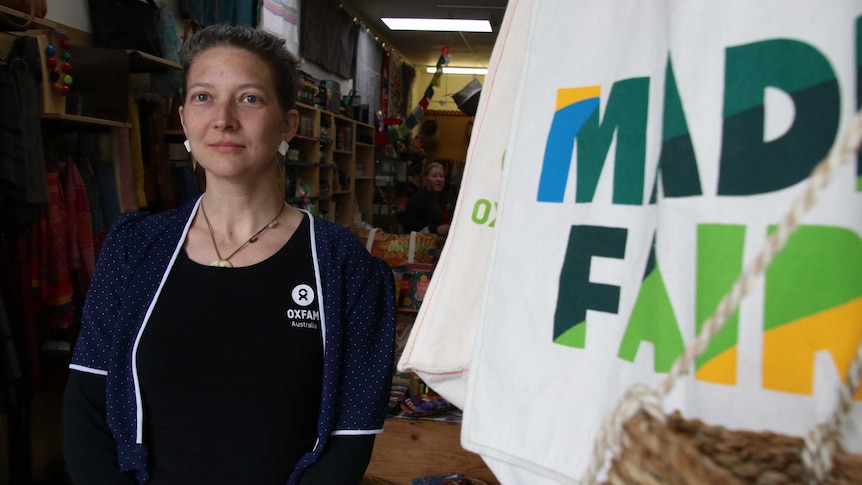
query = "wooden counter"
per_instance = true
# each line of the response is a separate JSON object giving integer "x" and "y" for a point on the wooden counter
{"x": 412, "y": 448}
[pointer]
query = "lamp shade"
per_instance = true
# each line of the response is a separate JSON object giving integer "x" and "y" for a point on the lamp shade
{"x": 467, "y": 98}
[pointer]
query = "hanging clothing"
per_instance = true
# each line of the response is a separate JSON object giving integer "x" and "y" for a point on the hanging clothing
{"x": 232, "y": 12}
{"x": 82, "y": 258}
{"x": 97, "y": 219}
{"x": 121, "y": 150}
{"x": 22, "y": 171}
{"x": 55, "y": 279}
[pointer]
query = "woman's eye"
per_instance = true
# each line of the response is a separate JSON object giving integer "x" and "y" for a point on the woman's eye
{"x": 251, "y": 98}
{"x": 201, "y": 97}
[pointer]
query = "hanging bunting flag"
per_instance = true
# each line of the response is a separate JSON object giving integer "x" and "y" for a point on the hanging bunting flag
{"x": 397, "y": 134}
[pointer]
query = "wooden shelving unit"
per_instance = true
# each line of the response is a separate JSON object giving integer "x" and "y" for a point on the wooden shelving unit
{"x": 84, "y": 120}
{"x": 143, "y": 62}
{"x": 54, "y": 104}
{"x": 333, "y": 165}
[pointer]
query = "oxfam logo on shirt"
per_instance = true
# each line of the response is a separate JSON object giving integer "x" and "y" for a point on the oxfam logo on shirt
{"x": 302, "y": 295}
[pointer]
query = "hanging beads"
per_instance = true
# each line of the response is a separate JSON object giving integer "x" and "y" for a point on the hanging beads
{"x": 59, "y": 71}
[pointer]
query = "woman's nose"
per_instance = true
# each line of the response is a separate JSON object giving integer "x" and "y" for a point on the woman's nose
{"x": 225, "y": 117}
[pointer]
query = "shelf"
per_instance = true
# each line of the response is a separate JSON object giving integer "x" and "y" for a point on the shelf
{"x": 360, "y": 144}
{"x": 340, "y": 159}
{"x": 84, "y": 120}
{"x": 24, "y": 17}
{"x": 143, "y": 62}
{"x": 363, "y": 177}
{"x": 175, "y": 133}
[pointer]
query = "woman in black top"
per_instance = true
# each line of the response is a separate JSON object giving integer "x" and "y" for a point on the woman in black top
{"x": 235, "y": 339}
{"x": 424, "y": 209}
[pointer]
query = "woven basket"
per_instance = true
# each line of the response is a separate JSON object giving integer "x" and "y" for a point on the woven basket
{"x": 682, "y": 452}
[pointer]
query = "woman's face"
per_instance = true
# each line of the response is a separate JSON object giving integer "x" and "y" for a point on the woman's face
{"x": 435, "y": 180}
{"x": 231, "y": 115}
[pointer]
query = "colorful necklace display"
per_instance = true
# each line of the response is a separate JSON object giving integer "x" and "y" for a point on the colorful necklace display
{"x": 225, "y": 262}
{"x": 60, "y": 83}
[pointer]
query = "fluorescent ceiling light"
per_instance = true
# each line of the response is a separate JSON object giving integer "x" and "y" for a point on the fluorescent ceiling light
{"x": 440, "y": 25}
{"x": 459, "y": 70}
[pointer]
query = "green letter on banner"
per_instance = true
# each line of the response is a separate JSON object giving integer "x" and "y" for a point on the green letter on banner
{"x": 750, "y": 165}
{"x": 576, "y": 293}
{"x": 625, "y": 115}
{"x": 653, "y": 320}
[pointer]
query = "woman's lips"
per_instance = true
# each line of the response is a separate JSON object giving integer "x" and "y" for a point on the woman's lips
{"x": 225, "y": 147}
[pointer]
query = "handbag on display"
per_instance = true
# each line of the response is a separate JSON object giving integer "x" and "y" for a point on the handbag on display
{"x": 126, "y": 24}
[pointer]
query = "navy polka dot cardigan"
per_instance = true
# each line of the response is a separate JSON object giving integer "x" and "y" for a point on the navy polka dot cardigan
{"x": 358, "y": 324}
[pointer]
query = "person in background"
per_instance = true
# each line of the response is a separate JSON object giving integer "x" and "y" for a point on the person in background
{"x": 234, "y": 339}
{"x": 424, "y": 210}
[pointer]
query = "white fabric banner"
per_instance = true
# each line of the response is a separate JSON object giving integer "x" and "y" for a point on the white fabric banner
{"x": 654, "y": 148}
{"x": 440, "y": 345}
{"x": 281, "y": 17}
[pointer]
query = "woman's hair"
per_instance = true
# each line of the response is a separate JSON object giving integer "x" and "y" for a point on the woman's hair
{"x": 428, "y": 166}
{"x": 268, "y": 47}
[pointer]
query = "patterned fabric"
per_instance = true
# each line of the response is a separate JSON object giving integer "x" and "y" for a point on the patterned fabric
{"x": 358, "y": 317}
{"x": 233, "y": 12}
{"x": 170, "y": 82}
{"x": 79, "y": 227}
{"x": 55, "y": 279}
{"x": 97, "y": 216}
{"x": 125, "y": 178}
{"x": 281, "y": 17}
{"x": 106, "y": 180}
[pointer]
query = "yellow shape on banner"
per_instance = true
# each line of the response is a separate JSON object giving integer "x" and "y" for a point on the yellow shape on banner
{"x": 570, "y": 96}
{"x": 721, "y": 369}
{"x": 788, "y": 350}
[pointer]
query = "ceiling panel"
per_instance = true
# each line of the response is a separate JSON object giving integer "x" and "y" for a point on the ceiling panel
{"x": 424, "y": 48}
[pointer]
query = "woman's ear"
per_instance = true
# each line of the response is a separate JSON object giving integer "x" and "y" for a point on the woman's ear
{"x": 291, "y": 124}
{"x": 182, "y": 119}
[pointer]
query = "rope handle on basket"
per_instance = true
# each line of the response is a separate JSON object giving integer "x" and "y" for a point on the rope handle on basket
{"x": 823, "y": 439}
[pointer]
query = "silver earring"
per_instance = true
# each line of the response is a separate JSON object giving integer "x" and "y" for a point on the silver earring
{"x": 188, "y": 146}
{"x": 282, "y": 147}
